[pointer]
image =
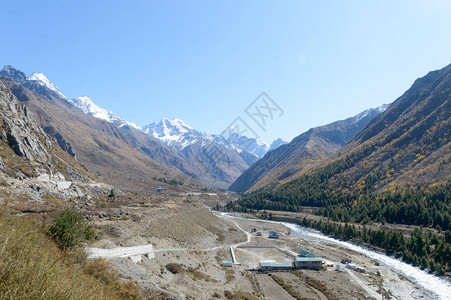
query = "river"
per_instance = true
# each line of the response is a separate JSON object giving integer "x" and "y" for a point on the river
{"x": 433, "y": 287}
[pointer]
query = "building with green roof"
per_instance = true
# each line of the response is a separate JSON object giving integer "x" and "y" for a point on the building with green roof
{"x": 306, "y": 253}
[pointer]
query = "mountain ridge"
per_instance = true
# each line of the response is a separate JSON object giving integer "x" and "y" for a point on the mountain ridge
{"x": 303, "y": 151}
{"x": 400, "y": 155}
{"x": 222, "y": 157}
{"x": 215, "y": 161}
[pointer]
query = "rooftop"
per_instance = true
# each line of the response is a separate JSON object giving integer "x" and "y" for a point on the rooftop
{"x": 306, "y": 253}
{"x": 276, "y": 264}
{"x": 309, "y": 259}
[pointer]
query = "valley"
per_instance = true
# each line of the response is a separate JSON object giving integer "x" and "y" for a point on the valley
{"x": 185, "y": 233}
{"x": 94, "y": 205}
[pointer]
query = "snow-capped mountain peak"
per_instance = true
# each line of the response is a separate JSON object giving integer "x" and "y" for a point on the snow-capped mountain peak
{"x": 43, "y": 81}
{"x": 178, "y": 135}
{"x": 85, "y": 104}
{"x": 176, "y": 124}
{"x": 276, "y": 144}
{"x": 172, "y": 131}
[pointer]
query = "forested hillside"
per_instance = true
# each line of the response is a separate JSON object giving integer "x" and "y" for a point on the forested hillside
{"x": 406, "y": 150}
{"x": 396, "y": 170}
{"x": 304, "y": 150}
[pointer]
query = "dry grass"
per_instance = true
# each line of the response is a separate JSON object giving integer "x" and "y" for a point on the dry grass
{"x": 239, "y": 295}
{"x": 32, "y": 267}
{"x": 320, "y": 286}
{"x": 198, "y": 275}
{"x": 287, "y": 287}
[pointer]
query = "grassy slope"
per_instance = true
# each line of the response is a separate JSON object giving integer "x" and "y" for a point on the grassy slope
{"x": 32, "y": 267}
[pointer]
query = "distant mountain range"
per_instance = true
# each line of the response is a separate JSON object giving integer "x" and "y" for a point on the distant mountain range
{"x": 86, "y": 105}
{"x": 305, "y": 150}
{"x": 121, "y": 155}
{"x": 177, "y": 134}
{"x": 227, "y": 156}
{"x": 103, "y": 141}
{"x": 214, "y": 160}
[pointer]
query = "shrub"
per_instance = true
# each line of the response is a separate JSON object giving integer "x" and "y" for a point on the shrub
{"x": 174, "y": 268}
{"x": 69, "y": 229}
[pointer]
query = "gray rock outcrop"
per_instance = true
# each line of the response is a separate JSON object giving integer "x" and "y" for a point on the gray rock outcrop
{"x": 19, "y": 129}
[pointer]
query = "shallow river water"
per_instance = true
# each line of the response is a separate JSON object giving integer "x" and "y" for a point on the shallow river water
{"x": 433, "y": 287}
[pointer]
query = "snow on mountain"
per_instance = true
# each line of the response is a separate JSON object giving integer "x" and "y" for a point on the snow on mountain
{"x": 243, "y": 143}
{"x": 36, "y": 81}
{"x": 40, "y": 83}
{"x": 86, "y": 105}
{"x": 369, "y": 111}
{"x": 383, "y": 107}
{"x": 14, "y": 74}
{"x": 177, "y": 134}
{"x": 40, "y": 79}
{"x": 172, "y": 132}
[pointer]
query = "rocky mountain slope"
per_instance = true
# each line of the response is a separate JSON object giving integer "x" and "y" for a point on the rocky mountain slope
{"x": 32, "y": 166}
{"x": 303, "y": 151}
{"x": 22, "y": 138}
{"x": 407, "y": 146}
{"x": 123, "y": 156}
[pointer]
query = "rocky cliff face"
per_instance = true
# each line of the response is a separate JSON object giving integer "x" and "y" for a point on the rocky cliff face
{"x": 20, "y": 131}
{"x": 32, "y": 167}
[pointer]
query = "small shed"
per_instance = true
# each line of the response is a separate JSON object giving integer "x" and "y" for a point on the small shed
{"x": 160, "y": 189}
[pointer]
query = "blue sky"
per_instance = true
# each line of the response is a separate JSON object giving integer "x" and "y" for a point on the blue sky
{"x": 206, "y": 61}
